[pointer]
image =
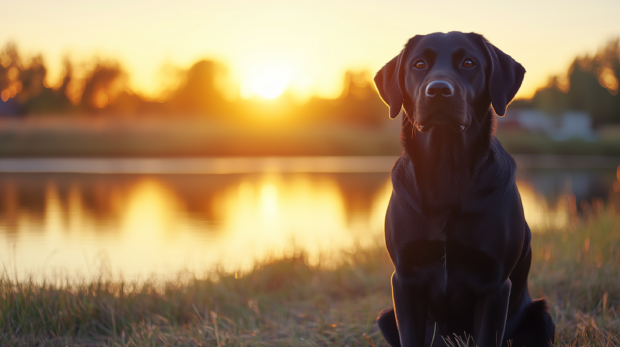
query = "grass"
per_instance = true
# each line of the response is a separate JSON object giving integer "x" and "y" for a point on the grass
{"x": 97, "y": 137}
{"x": 194, "y": 138}
{"x": 288, "y": 302}
{"x": 535, "y": 143}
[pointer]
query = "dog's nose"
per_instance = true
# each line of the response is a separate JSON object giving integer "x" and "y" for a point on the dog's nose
{"x": 439, "y": 87}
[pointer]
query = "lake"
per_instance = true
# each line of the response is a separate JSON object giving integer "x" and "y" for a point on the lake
{"x": 141, "y": 217}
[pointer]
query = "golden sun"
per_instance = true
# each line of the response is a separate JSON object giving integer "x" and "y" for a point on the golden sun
{"x": 268, "y": 82}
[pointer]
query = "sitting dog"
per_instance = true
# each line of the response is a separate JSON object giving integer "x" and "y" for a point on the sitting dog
{"x": 454, "y": 228}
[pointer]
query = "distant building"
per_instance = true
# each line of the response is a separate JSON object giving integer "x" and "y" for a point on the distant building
{"x": 571, "y": 124}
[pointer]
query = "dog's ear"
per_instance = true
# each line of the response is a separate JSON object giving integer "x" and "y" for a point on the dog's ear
{"x": 388, "y": 85}
{"x": 505, "y": 77}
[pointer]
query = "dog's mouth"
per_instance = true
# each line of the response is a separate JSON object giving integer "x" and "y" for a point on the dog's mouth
{"x": 454, "y": 127}
{"x": 450, "y": 115}
{"x": 443, "y": 121}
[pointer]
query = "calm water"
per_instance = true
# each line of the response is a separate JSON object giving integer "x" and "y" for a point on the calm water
{"x": 147, "y": 222}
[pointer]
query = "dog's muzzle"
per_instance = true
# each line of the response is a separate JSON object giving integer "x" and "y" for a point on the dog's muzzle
{"x": 440, "y": 109}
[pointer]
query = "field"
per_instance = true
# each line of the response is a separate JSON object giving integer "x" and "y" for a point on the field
{"x": 289, "y": 302}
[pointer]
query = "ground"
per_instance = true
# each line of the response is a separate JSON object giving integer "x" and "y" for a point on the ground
{"x": 290, "y": 302}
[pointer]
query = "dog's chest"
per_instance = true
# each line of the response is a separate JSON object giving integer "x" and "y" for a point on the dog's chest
{"x": 436, "y": 223}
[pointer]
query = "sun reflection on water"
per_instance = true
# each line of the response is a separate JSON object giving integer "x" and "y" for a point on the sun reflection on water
{"x": 150, "y": 212}
{"x": 539, "y": 214}
{"x": 162, "y": 224}
{"x": 156, "y": 224}
{"x": 268, "y": 215}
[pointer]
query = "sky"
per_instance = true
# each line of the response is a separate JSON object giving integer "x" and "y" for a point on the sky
{"x": 303, "y": 45}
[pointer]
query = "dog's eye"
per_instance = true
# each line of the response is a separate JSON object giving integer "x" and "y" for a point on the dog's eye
{"x": 468, "y": 63}
{"x": 420, "y": 64}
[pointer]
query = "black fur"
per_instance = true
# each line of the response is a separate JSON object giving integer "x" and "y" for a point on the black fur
{"x": 455, "y": 229}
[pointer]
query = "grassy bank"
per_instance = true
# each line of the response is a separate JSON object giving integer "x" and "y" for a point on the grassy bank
{"x": 166, "y": 138}
{"x": 536, "y": 143}
{"x": 68, "y": 137}
{"x": 288, "y": 302}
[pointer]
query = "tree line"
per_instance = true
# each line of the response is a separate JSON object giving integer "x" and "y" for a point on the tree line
{"x": 101, "y": 89}
{"x": 590, "y": 85}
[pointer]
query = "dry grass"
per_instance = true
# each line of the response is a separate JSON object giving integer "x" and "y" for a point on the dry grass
{"x": 287, "y": 302}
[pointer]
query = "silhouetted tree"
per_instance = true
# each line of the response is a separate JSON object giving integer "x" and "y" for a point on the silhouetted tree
{"x": 10, "y": 85}
{"x": 359, "y": 102}
{"x": 593, "y": 87}
{"x": 198, "y": 92}
{"x": 22, "y": 86}
{"x": 103, "y": 85}
{"x": 35, "y": 97}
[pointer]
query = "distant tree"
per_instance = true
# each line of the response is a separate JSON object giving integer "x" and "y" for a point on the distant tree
{"x": 592, "y": 87}
{"x": 551, "y": 99}
{"x": 36, "y": 97}
{"x": 104, "y": 89}
{"x": 104, "y": 83}
{"x": 359, "y": 102}
{"x": 22, "y": 85}
{"x": 10, "y": 85}
{"x": 199, "y": 92}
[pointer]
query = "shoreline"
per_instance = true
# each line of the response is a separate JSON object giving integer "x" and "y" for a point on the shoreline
{"x": 269, "y": 164}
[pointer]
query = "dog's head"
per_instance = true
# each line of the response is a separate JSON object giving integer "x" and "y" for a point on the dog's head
{"x": 439, "y": 79}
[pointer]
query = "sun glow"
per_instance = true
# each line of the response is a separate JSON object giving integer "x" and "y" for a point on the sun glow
{"x": 268, "y": 82}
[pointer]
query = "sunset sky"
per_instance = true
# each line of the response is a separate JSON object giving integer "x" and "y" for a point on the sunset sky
{"x": 303, "y": 45}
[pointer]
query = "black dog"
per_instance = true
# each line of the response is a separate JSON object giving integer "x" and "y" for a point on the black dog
{"x": 455, "y": 229}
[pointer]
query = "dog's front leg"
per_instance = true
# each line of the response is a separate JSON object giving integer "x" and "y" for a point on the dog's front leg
{"x": 491, "y": 309}
{"x": 409, "y": 295}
